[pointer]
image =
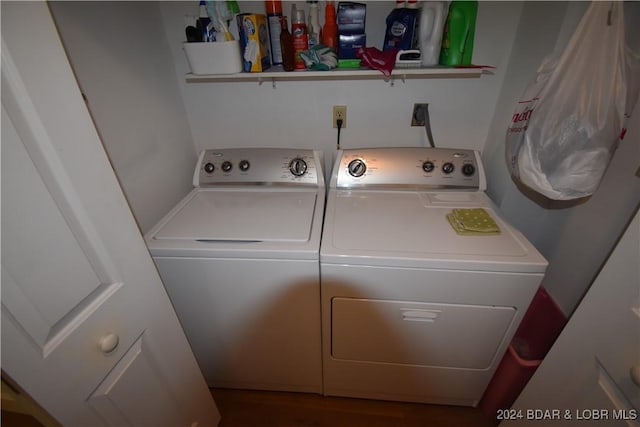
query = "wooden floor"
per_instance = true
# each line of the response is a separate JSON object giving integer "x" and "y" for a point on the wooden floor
{"x": 243, "y": 408}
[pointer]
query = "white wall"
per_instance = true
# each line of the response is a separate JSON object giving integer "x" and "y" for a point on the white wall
{"x": 121, "y": 60}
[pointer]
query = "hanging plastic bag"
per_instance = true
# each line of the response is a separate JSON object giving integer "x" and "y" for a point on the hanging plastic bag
{"x": 567, "y": 125}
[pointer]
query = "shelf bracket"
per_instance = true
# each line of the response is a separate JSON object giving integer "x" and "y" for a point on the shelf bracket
{"x": 262, "y": 80}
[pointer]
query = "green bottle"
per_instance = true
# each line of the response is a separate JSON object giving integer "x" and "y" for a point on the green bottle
{"x": 459, "y": 31}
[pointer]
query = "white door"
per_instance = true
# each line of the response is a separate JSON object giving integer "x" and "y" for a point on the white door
{"x": 87, "y": 328}
{"x": 591, "y": 375}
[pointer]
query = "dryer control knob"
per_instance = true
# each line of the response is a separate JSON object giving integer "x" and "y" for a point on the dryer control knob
{"x": 468, "y": 169}
{"x": 428, "y": 166}
{"x": 298, "y": 166}
{"x": 209, "y": 167}
{"x": 448, "y": 168}
{"x": 357, "y": 168}
{"x": 244, "y": 165}
{"x": 227, "y": 166}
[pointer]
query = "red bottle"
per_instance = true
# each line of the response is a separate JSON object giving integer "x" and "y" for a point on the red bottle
{"x": 286, "y": 45}
{"x": 300, "y": 38}
{"x": 330, "y": 29}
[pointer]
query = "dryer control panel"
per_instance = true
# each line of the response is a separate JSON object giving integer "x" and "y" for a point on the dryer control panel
{"x": 267, "y": 166}
{"x": 429, "y": 168}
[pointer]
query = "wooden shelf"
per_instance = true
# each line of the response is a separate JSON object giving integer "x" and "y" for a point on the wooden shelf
{"x": 275, "y": 74}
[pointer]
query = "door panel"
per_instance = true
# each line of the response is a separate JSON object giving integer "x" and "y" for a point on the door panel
{"x": 55, "y": 299}
{"x": 49, "y": 301}
{"x": 87, "y": 328}
{"x": 136, "y": 374}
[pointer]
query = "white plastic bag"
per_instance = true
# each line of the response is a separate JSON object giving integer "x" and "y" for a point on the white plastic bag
{"x": 567, "y": 125}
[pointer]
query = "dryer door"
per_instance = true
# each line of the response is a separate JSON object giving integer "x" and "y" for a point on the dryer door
{"x": 417, "y": 333}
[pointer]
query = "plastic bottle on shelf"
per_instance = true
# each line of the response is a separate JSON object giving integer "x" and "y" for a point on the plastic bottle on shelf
{"x": 433, "y": 15}
{"x": 457, "y": 40}
{"x": 286, "y": 45}
{"x": 402, "y": 31}
{"x": 203, "y": 22}
{"x": 300, "y": 36}
{"x": 313, "y": 28}
{"x": 330, "y": 29}
{"x": 274, "y": 16}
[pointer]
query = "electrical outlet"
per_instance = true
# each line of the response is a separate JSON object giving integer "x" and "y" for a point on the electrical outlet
{"x": 419, "y": 115}
{"x": 340, "y": 112}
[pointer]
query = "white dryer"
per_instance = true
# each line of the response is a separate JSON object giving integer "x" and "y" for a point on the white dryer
{"x": 412, "y": 310}
{"x": 239, "y": 257}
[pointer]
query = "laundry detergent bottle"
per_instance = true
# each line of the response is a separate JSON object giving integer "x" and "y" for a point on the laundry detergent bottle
{"x": 402, "y": 23}
{"x": 432, "y": 19}
{"x": 457, "y": 41}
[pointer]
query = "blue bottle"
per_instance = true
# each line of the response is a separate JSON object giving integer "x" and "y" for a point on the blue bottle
{"x": 402, "y": 29}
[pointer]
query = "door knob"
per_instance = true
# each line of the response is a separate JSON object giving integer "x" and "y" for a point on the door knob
{"x": 109, "y": 342}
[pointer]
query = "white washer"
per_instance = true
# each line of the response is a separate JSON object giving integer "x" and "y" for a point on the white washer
{"x": 239, "y": 257}
{"x": 411, "y": 310}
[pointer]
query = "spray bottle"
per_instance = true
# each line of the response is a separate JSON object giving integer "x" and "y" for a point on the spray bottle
{"x": 330, "y": 29}
{"x": 300, "y": 36}
{"x": 313, "y": 26}
{"x": 274, "y": 16}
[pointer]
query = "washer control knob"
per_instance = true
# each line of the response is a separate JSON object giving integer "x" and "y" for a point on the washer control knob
{"x": 357, "y": 168}
{"x": 448, "y": 168}
{"x": 468, "y": 169}
{"x": 209, "y": 167}
{"x": 227, "y": 166}
{"x": 298, "y": 166}
{"x": 244, "y": 165}
{"x": 428, "y": 166}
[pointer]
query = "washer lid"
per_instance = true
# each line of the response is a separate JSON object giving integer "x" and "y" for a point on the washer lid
{"x": 242, "y": 216}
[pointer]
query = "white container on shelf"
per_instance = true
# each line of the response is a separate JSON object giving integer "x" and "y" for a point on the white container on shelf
{"x": 214, "y": 57}
{"x": 432, "y": 21}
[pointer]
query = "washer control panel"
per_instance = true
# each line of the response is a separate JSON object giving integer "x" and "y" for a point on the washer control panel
{"x": 441, "y": 168}
{"x": 258, "y": 166}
